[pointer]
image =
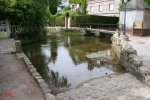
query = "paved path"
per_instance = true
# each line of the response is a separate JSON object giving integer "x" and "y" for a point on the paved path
{"x": 142, "y": 46}
{"x": 16, "y": 83}
{"x": 114, "y": 87}
{"x": 7, "y": 45}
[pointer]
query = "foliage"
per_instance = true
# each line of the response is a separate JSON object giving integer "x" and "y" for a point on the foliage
{"x": 84, "y": 6}
{"x": 148, "y": 1}
{"x": 81, "y": 2}
{"x": 68, "y": 10}
{"x": 57, "y": 20}
{"x": 53, "y": 6}
{"x": 76, "y": 1}
{"x": 31, "y": 15}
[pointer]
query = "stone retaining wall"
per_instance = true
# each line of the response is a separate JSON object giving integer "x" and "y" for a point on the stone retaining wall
{"x": 84, "y": 31}
{"x": 129, "y": 59}
{"x": 42, "y": 84}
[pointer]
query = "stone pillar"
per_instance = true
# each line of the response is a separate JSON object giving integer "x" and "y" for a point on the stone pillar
{"x": 8, "y": 28}
{"x": 66, "y": 22}
{"x": 69, "y": 22}
{"x": 97, "y": 33}
{"x": 18, "y": 46}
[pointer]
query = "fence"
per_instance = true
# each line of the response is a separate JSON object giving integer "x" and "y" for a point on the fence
{"x": 8, "y": 28}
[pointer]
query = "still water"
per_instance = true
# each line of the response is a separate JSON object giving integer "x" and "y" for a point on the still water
{"x": 62, "y": 60}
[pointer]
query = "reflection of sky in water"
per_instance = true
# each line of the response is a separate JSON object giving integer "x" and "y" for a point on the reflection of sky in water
{"x": 66, "y": 56}
{"x": 66, "y": 67}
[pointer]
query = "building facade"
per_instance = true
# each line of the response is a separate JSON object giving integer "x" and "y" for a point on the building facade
{"x": 103, "y": 7}
{"x": 137, "y": 18}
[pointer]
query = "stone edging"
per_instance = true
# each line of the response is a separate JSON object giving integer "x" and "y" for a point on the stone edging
{"x": 129, "y": 59}
{"x": 42, "y": 84}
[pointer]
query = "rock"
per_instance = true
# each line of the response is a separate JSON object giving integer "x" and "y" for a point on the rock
{"x": 28, "y": 62}
{"x": 35, "y": 74}
{"x": 30, "y": 66}
{"x": 49, "y": 96}
{"x": 32, "y": 70}
{"x": 43, "y": 85}
{"x": 40, "y": 81}
{"x": 38, "y": 77}
{"x": 46, "y": 90}
{"x": 138, "y": 61}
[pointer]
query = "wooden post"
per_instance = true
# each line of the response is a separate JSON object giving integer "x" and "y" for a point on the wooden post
{"x": 142, "y": 30}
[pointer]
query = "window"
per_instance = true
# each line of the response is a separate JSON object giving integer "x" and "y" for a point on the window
{"x": 100, "y": 8}
{"x": 92, "y": 9}
{"x": 111, "y": 7}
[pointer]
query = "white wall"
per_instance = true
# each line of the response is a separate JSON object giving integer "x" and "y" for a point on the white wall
{"x": 105, "y": 5}
{"x": 131, "y": 17}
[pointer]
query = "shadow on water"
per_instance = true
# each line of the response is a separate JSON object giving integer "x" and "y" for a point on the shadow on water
{"x": 62, "y": 61}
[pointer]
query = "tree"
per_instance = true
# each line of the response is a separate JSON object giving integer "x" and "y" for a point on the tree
{"x": 84, "y": 7}
{"x": 53, "y": 5}
{"x": 148, "y": 1}
{"x": 31, "y": 15}
{"x": 83, "y": 4}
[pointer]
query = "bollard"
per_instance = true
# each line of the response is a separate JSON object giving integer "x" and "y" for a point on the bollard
{"x": 18, "y": 46}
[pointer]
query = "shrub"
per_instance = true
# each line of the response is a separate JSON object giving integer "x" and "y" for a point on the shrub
{"x": 92, "y": 20}
{"x": 57, "y": 21}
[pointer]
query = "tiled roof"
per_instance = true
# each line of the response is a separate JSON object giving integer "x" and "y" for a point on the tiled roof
{"x": 137, "y": 4}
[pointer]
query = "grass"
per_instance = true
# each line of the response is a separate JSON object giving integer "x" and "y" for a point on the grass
{"x": 72, "y": 33}
{"x": 53, "y": 31}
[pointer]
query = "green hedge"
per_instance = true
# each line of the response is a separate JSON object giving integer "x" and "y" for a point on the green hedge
{"x": 93, "y": 20}
{"x": 57, "y": 21}
{"x": 84, "y": 20}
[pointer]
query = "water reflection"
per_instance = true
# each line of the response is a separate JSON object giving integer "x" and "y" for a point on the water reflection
{"x": 62, "y": 60}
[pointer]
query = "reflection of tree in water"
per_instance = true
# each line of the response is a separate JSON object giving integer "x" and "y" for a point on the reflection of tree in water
{"x": 34, "y": 53}
{"x": 54, "y": 47}
{"x": 55, "y": 79}
{"x": 79, "y": 47}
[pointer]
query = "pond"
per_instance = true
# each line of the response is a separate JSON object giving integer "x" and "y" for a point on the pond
{"x": 63, "y": 60}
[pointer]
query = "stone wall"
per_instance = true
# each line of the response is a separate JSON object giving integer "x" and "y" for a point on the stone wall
{"x": 129, "y": 58}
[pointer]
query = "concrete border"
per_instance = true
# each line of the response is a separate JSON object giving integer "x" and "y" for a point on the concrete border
{"x": 33, "y": 71}
{"x": 42, "y": 84}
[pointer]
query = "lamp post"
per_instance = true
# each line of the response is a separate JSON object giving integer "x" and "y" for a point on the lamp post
{"x": 124, "y": 36}
{"x": 125, "y": 3}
